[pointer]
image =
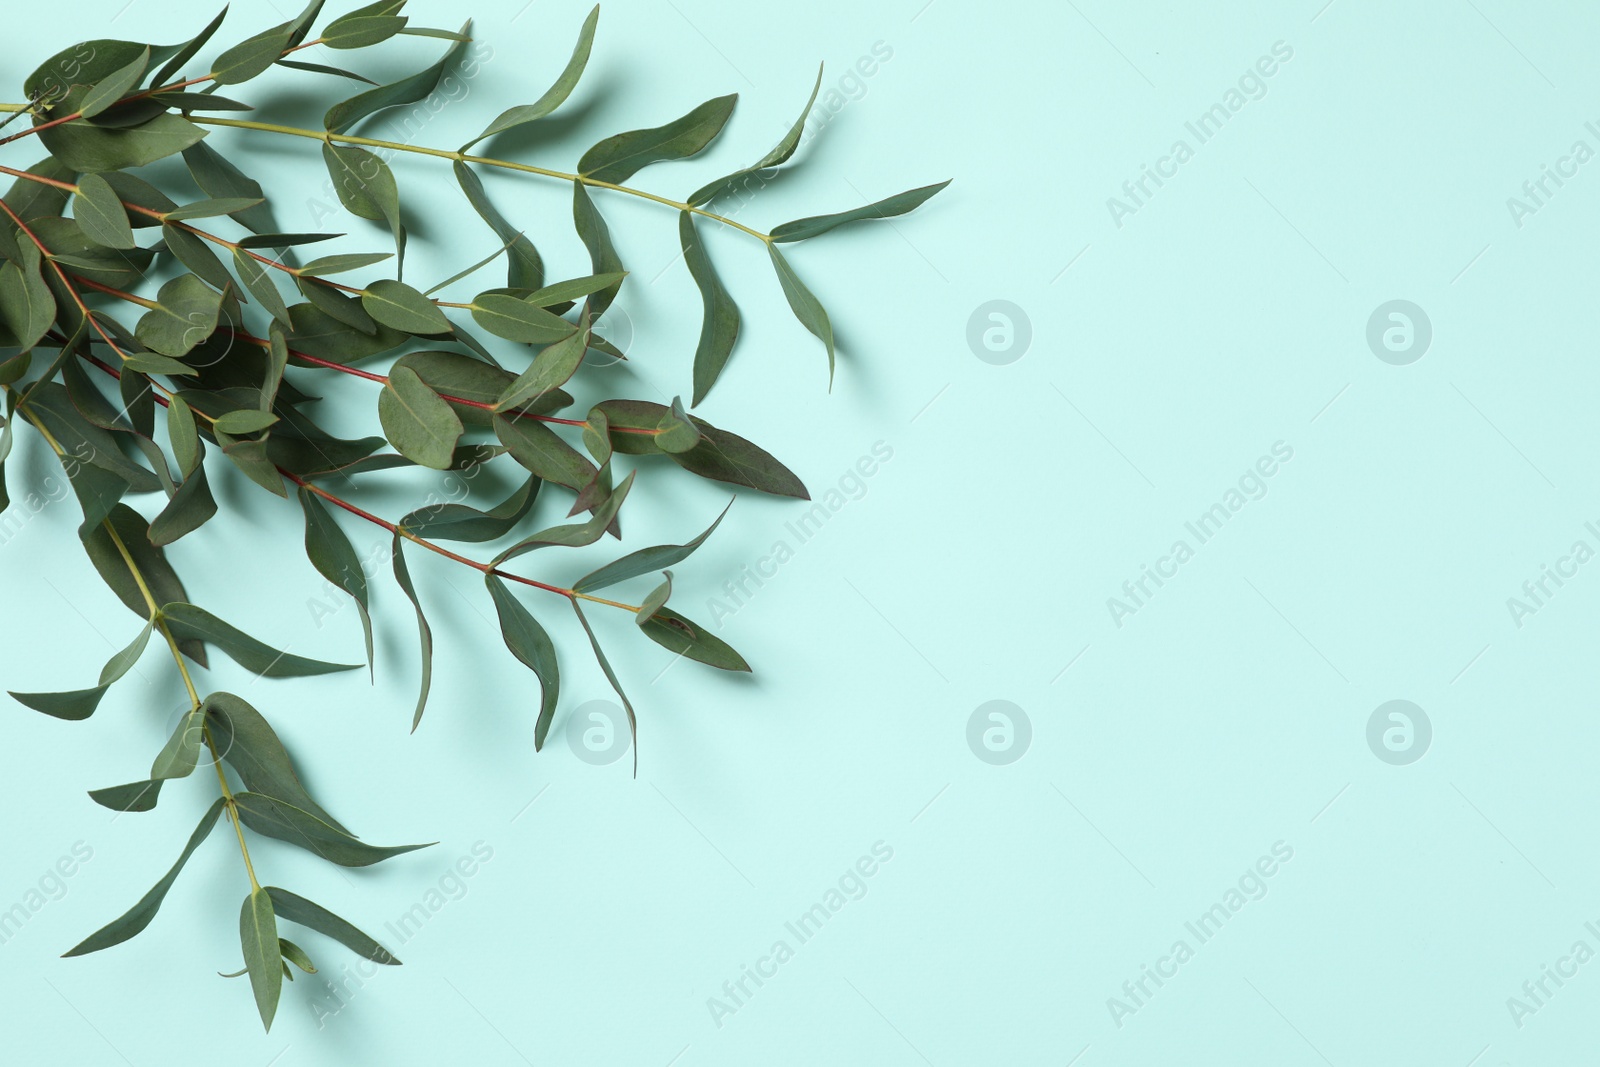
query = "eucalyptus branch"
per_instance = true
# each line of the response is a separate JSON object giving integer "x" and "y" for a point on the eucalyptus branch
{"x": 206, "y": 382}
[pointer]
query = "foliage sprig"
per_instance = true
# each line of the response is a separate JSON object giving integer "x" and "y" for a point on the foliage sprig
{"x": 139, "y": 393}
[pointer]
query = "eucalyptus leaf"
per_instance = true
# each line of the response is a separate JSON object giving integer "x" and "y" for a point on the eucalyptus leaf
{"x": 889, "y": 207}
{"x": 554, "y": 96}
{"x": 136, "y": 918}
{"x": 420, "y": 425}
{"x": 618, "y": 158}
{"x": 186, "y": 620}
{"x": 272, "y": 817}
{"x": 528, "y": 642}
{"x": 263, "y": 958}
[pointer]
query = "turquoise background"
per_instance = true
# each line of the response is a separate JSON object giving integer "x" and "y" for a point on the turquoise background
{"x": 1225, "y": 718}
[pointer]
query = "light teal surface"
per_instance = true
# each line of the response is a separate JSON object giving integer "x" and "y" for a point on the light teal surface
{"x": 1202, "y": 748}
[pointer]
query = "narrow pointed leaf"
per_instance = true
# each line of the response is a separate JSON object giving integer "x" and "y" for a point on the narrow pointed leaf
{"x": 720, "y": 324}
{"x": 111, "y": 89}
{"x": 805, "y": 306}
{"x": 138, "y": 917}
{"x": 528, "y": 642}
{"x": 187, "y": 620}
{"x": 525, "y": 269}
{"x": 552, "y": 368}
{"x": 644, "y": 561}
{"x": 899, "y": 204}
{"x": 335, "y": 558}
{"x": 540, "y": 450}
{"x": 263, "y": 958}
{"x": 402, "y": 576}
{"x": 618, "y": 158}
{"x": 253, "y": 749}
{"x": 677, "y": 634}
{"x": 596, "y": 237}
{"x": 780, "y": 154}
{"x": 611, "y": 676}
{"x": 578, "y": 534}
{"x": 282, "y": 820}
{"x": 343, "y": 116}
{"x": 554, "y": 96}
{"x": 400, "y": 307}
{"x": 313, "y": 916}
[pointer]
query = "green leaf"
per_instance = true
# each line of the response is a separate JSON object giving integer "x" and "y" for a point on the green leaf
{"x": 420, "y": 425}
{"x": 251, "y": 747}
{"x": 190, "y": 508}
{"x": 652, "y": 604}
{"x": 551, "y": 369}
{"x": 461, "y": 522}
{"x": 87, "y": 148}
{"x": 725, "y": 457}
{"x": 528, "y": 642}
{"x": 312, "y": 916}
{"x": 350, "y": 32}
{"x": 81, "y": 64}
{"x": 554, "y": 96}
{"x": 178, "y": 757}
{"x": 574, "y": 289}
{"x": 26, "y": 303}
{"x": 344, "y": 116}
{"x": 188, "y": 50}
{"x": 644, "y": 561}
{"x": 282, "y": 820}
{"x": 596, "y": 237}
{"x": 112, "y": 88}
{"x": 536, "y": 447}
{"x": 213, "y": 207}
{"x": 285, "y": 240}
{"x": 677, "y": 634}
{"x": 252, "y": 57}
{"x": 219, "y": 178}
{"x": 336, "y": 305}
{"x": 524, "y": 267}
{"x": 196, "y": 254}
{"x": 296, "y": 955}
{"x": 316, "y": 333}
{"x": 457, "y": 376}
{"x": 620, "y": 157}
{"x": 720, "y": 324}
{"x": 469, "y": 271}
{"x": 82, "y": 703}
{"x": 366, "y": 187}
{"x": 100, "y": 215}
{"x": 402, "y": 576}
{"x": 243, "y": 423}
{"x": 257, "y": 278}
{"x": 574, "y": 535}
{"x": 135, "y": 796}
{"x": 258, "y": 936}
{"x": 138, "y": 917}
{"x": 400, "y": 307}
{"x": 185, "y": 314}
{"x": 780, "y": 154}
{"x": 323, "y": 68}
{"x": 187, "y": 620}
{"x": 899, "y": 204}
{"x": 184, "y": 435}
{"x": 806, "y": 307}
{"x": 321, "y": 268}
{"x": 335, "y": 558}
{"x": 252, "y": 459}
{"x": 676, "y": 432}
{"x": 518, "y": 320}
{"x": 611, "y": 676}
{"x": 720, "y": 455}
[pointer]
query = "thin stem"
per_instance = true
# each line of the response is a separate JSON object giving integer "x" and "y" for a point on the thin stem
{"x": 177, "y": 657}
{"x": 463, "y": 157}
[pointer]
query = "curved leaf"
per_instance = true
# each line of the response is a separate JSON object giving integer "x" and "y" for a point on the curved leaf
{"x": 618, "y": 158}
{"x": 554, "y": 96}
{"x": 528, "y": 642}
{"x": 889, "y": 207}
{"x": 187, "y": 620}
